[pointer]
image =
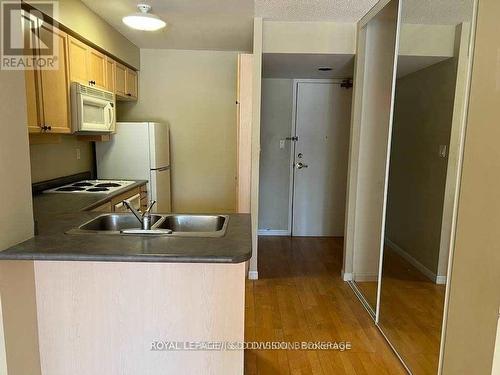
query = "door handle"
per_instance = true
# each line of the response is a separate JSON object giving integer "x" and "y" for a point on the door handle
{"x": 301, "y": 165}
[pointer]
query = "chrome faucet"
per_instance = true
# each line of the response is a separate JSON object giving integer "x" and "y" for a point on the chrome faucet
{"x": 145, "y": 217}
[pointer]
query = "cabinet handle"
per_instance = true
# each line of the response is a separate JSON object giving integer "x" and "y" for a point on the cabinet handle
{"x": 129, "y": 94}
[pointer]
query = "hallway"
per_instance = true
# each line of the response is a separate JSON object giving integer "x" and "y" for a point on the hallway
{"x": 301, "y": 297}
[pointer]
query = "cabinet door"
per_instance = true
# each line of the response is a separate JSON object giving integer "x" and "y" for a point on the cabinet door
{"x": 120, "y": 80}
{"x": 97, "y": 68}
{"x": 131, "y": 84}
{"x": 55, "y": 85}
{"x": 34, "y": 101}
{"x": 78, "y": 61}
{"x": 110, "y": 74}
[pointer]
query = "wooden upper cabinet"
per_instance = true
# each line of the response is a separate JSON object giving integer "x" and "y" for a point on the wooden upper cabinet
{"x": 110, "y": 74}
{"x": 97, "y": 68}
{"x": 32, "y": 81}
{"x": 120, "y": 80}
{"x": 87, "y": 65}
{"x": 125, "y": 83}
{"x": 131, "y": 84}
{"x": 56, "y": 86}
{"x": 78, "y": 61}
{"x": 47, "y": 91}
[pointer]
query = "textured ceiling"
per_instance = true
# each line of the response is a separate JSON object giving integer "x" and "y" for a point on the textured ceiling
{"x": 228, "y": 24}
{"x": 439, "y": 12}
{"x": 192, "y": 24}
{"x": 313, "y": 10}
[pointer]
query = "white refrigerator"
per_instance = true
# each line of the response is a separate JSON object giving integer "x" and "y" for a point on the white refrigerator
{"x": 139, "y": 151}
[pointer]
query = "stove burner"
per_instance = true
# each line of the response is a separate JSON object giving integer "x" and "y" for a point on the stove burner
{"x": 82, "y": 184}
{"x": 71, "y": 188}
{"x": 97, "y": 189}
{"x": 108, "y": 185}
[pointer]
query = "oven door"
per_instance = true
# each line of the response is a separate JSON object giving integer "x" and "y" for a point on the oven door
{"x": 97, "y": 115}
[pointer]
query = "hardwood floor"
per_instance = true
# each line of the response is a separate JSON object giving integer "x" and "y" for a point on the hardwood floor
{"x": 411, "y": 313}
{"x": 301, "y": 297}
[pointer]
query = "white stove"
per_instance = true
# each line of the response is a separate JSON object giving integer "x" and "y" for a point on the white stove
{"x": 91, "y": 187}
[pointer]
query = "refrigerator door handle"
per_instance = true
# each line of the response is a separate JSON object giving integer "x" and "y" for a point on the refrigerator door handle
{"x": 161, "y": 169}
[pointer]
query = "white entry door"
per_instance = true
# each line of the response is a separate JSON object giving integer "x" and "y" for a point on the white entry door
{"x": 323, "y": 113}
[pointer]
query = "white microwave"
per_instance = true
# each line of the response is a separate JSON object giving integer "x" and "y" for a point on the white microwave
{"x": 93, "y": 111}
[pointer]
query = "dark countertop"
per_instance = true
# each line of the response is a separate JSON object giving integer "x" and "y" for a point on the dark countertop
{"x": 57, "y": 213}
{"x": 62, "y": 203}
{"x": 54, "y": 244}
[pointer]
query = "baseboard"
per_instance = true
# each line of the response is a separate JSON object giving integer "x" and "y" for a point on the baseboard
{"x": 346, "y": 276}
{"x": 253, "y": 275}
{"x": 414, "y": 262}
{"x": 365, "y": 277}
{"x": 271, "y": 232}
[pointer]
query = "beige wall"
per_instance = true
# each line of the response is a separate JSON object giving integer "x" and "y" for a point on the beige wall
{"x": 256, "y": 104}
{"x": 276, "y": 124}
{"x": 50, "y": 161}
{"x": 16, "y": 217}
{"x": 474, "y": 296}
{"x": 423, "y": 113}
{"x": 77, "y": 17}
{"x": 195, "y": 92}
{"x": 309, "y": 37}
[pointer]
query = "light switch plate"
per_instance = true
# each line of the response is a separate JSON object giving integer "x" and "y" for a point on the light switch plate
{"x": 443, "y": 151}
{"x": 282, "y": 144}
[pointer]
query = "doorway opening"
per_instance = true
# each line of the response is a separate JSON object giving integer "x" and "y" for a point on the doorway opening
{"x": 305, "y": 123}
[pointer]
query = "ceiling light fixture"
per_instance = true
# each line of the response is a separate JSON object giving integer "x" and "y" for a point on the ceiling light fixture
{"x": 143, "y": 20}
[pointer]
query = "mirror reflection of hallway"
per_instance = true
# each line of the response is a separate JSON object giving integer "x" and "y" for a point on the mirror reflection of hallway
{"x": 429, "y": 118}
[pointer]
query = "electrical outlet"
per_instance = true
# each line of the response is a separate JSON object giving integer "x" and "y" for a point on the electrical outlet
{"x": 443, "y": 151}
{"x": 282, "y": 144}
{"x": 78, "y": 156}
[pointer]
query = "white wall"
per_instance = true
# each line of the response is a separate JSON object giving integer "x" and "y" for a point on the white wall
{"x": 276, "y": 124}
{"x": 195, "y": 92}
{"x": 16, "y": 215}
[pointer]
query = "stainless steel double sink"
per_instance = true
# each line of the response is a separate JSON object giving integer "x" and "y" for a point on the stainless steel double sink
{"x": 161, "y": 225}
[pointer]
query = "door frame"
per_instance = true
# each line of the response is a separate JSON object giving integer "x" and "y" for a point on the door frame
{"x": 293, "y": 133}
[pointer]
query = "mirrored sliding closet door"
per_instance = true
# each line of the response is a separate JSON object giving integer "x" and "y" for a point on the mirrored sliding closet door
{"x": 427, "y": 133}
{"x": 373, "y": 98}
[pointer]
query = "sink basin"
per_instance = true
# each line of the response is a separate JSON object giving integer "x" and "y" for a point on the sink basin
{"x": 114, "y": 223}
{"x": 193, "y": 223}
{"x": 161, "y": 225}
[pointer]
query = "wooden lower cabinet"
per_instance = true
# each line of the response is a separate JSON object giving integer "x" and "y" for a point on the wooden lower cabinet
{"x": 115, "y": 203}
{"x": 106, "y": 207}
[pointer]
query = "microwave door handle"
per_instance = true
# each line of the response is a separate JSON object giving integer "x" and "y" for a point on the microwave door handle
{"x": 111, "y": 115}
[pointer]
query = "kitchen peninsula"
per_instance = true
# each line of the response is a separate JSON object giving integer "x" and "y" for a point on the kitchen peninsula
{"x": 96, "y": 303}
